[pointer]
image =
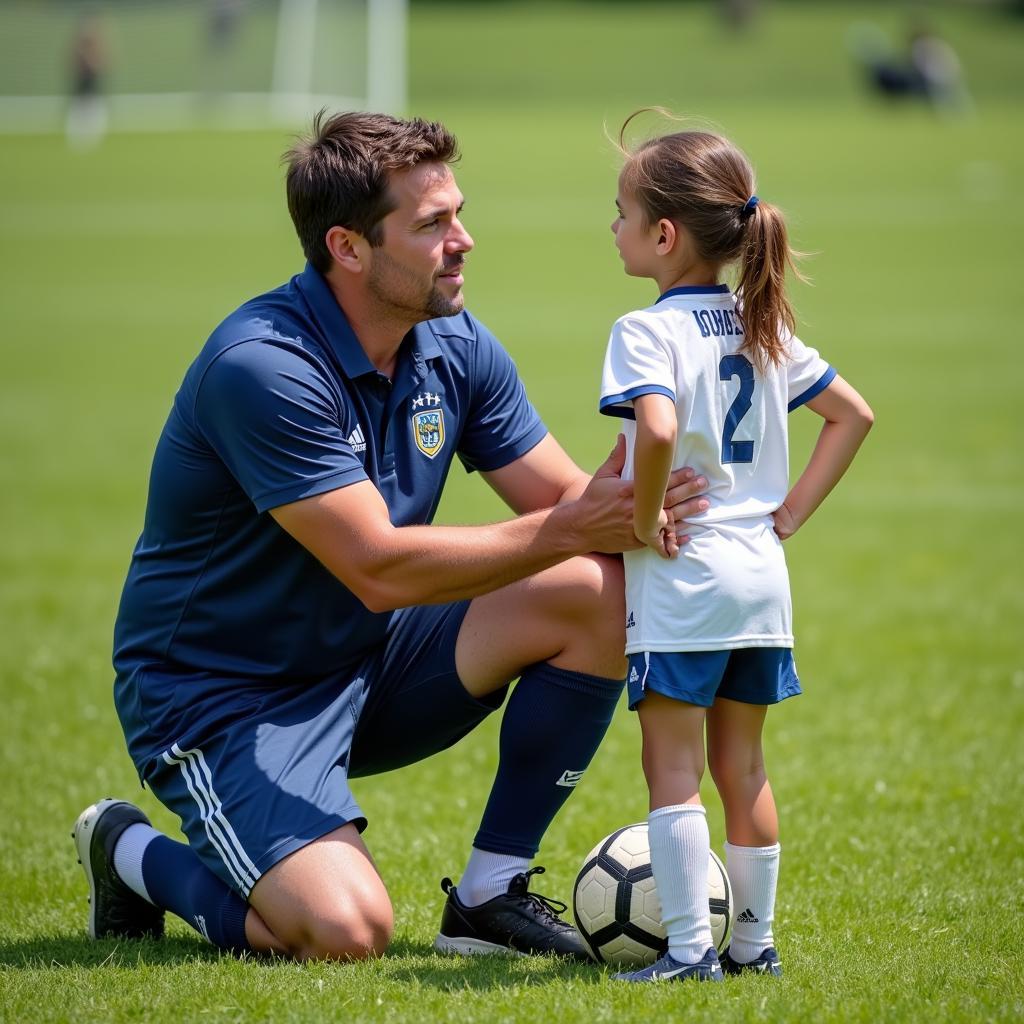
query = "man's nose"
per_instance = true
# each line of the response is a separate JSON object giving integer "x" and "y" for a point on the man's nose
{"x": 461, "y": 240}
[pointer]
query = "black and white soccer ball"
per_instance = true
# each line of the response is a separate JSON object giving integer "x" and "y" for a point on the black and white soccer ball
{"x": 616, "y": 906}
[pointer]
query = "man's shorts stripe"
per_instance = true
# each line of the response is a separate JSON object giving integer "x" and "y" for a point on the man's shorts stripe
{"x": 199, "y": 781}
{"x": 251, "y": 873}
{"x": 207, "y": 810}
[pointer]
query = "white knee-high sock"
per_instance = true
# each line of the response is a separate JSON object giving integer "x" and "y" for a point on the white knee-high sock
{"x": 128, "y": 851}
{"x": 488, "y": 875}
{"x": 754, "y": 876}
{"x": 680, "y": 849}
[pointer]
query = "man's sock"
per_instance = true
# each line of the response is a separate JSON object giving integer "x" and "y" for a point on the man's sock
{"x": 680, "y": 850}
{"x": 488, "y": 875}
{"x": 551, "y": 728}
{"x": 754, "y": 875}
{"x": 171, "y": 875}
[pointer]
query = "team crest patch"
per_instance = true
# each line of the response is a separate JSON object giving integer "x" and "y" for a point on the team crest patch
{"x": 428, "y": 430}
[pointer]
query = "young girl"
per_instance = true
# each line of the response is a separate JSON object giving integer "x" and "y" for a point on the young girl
{"x": 705, "y": 377}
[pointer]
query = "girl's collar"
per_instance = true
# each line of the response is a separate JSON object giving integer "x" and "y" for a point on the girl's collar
{"x": 703, "y": 289}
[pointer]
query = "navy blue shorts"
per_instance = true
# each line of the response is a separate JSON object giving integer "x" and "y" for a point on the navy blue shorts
{"x": 274, "y": 776}
{"x": 753, "y": 675}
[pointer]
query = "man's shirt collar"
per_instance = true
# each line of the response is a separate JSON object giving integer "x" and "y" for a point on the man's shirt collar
{"x": 421, "y": 342}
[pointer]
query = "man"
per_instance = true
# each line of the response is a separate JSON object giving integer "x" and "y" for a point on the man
{"x": 260, "y": 658}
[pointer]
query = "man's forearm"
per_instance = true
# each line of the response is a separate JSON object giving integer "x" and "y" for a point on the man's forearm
{"x": 575, "y": 488}
{"x": 350, "y": 531}
{"x": 435, "y": 564}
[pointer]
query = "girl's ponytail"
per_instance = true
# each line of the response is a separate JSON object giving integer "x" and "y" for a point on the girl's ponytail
{"x": 767, "y": 316}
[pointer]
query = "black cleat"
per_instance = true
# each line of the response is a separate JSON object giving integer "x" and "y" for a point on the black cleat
{"x": 766, "y": 963}
{"x": 516, "y": 924}
{"x": 114, "y": 910}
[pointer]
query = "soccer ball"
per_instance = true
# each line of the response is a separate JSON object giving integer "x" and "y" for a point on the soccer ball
{"x": 616, "y": 906}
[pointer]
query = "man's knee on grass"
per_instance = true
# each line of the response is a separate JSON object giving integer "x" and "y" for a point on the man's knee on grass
{"x": 351, "y": 932}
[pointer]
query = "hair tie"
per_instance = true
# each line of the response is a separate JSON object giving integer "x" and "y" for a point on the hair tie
{"x": 748, "y": 207}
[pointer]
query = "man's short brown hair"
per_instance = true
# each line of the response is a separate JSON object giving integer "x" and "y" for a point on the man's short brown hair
{"x": 339, "y": 174}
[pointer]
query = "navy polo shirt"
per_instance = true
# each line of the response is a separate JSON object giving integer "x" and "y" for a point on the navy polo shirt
{"x": 282, "y": 403}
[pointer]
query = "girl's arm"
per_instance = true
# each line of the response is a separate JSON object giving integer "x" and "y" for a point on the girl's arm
{"x": 848, "y": 418}
{"x": 652, "y": 462}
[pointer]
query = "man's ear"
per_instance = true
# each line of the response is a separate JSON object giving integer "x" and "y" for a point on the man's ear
{"x": 667, "y": 235}
{"x": 347, "y": 248}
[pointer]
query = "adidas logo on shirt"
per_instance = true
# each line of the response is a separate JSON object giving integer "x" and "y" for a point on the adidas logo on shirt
{"x": 630, "y": 622}
{"x": 747, "y": 917}
{"x": 357, "y": 440}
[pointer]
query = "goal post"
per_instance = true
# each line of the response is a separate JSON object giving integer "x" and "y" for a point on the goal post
{"x": 233, "y": 64}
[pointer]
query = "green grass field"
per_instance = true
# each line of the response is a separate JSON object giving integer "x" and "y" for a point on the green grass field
{"x": 899, "y": 774}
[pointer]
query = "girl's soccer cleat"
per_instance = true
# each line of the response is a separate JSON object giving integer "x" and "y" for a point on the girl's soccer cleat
{"x": 670, "y": 969}
{"x": 766, "y": 963}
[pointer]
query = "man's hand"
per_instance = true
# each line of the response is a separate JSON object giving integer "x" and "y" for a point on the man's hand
{"x": 683, "y": 498}
{"x": 612, "y": 519}
{"x": 604, "y": 511}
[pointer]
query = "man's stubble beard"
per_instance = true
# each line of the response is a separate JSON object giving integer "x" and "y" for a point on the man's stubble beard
{"x": 398, "y": 289}
{"x": 438, "y": 304}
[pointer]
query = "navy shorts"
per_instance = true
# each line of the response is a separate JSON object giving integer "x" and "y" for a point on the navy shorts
{"x": 753, "y": 675}
{"x": 274, "y": 776}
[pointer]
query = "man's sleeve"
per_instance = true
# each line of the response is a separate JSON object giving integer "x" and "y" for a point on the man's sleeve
{"x": 807, "y": 374}
{"x": 275, "y": 421}
{"x": 635, "y": 363}
{"x": 502, "y": 424}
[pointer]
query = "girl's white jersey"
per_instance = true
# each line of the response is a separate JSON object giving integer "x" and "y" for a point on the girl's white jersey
{"x": 729, "y": 587}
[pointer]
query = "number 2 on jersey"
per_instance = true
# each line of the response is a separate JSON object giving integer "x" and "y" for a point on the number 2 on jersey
{"x": 729, "y": 367}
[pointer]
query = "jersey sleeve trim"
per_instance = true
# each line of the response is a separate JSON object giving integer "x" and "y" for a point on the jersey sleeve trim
{"x": 814, "y": 390}
{"x": 615, "y": 405}
{"x": 308, "y": 489}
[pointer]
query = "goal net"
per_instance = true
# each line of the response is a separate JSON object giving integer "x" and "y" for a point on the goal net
{"x": 164, "y": 64}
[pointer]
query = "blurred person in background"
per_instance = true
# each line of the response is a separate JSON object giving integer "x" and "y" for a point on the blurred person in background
{"x": 738, "y": 15}
{"x": 224, "y": 21}
{"x": 927, "y": 70}
{"x": 89, "y": 61}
